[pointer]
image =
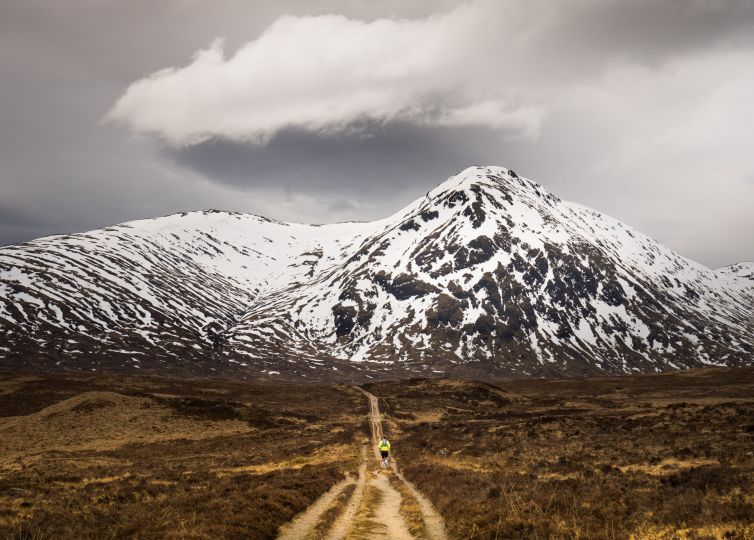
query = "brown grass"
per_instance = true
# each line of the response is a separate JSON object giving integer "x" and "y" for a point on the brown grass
{"x": 659, "y": 457}
{"x": 331, "y": 514}
{"x": 646, "y": 457}
{"x": 364, "y": 521}
{"x": 409, "y": 509}
{"x": 123, "y": 457}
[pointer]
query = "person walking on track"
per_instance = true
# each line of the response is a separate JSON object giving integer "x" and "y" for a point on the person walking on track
{"x": 384, "y": 450}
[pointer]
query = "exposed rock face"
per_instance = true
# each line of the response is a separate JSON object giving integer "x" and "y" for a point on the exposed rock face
{"x": 487, "y": 275}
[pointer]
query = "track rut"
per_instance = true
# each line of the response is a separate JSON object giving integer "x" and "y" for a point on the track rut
{"x": 373, "y": 509}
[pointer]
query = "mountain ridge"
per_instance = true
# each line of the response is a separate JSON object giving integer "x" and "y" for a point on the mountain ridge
{"x": 488, "y": 274}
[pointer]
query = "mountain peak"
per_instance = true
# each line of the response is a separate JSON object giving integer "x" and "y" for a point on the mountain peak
{"x": 492, "y": 176}
{"x": 494, "y": 185}
{"x": 489, "y": 274}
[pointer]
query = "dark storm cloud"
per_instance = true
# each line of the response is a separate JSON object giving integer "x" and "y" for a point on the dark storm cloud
{"x": 17, "y": 222}
{"x": 647, "y": 117}
{"x": 15, "y": 216}
{"x": 376, "y": 159}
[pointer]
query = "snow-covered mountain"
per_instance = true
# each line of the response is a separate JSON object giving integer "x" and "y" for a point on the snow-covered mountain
{"x": 743, "y": 270}
{"x": 487, "y": 275}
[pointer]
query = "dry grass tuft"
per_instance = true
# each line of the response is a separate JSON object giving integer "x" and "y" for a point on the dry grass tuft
{"x": 409, "y": 509}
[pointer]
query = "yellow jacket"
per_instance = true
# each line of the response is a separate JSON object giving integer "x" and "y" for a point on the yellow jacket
{"x": 385, "y": 446}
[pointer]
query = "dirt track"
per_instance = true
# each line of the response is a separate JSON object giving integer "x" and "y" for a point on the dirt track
{"x": 373, "y": 510}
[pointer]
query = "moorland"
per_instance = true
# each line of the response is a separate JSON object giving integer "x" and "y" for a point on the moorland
{"x": 125, "y": 456}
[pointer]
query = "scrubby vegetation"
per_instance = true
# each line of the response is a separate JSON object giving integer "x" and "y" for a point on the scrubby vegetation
{"x": 97, "y": 456}
{"x": 666, "y": 456}
{"x": 122, "y": 457}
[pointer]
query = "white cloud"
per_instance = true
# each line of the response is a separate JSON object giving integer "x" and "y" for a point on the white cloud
{"x": 526, "y": 119}
{"x": 640, "y": 109}
{"x": 323, "y": 73}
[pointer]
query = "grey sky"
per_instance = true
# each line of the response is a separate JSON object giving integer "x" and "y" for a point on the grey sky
{"x": 639, "y": 109}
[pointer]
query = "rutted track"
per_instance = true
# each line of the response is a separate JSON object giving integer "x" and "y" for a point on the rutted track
{"x": 304, "y": 523}
{"x": 373, "y": 510}
{"x": 433, "y": 523}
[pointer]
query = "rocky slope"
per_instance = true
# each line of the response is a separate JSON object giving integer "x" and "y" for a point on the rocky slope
{"x": 487, "y": 275}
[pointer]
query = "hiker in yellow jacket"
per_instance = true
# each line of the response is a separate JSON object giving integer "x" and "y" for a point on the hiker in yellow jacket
{"x": 384, "y": 450}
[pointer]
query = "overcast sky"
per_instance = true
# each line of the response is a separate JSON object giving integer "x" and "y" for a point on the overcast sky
{"x": 322, "y": 110}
